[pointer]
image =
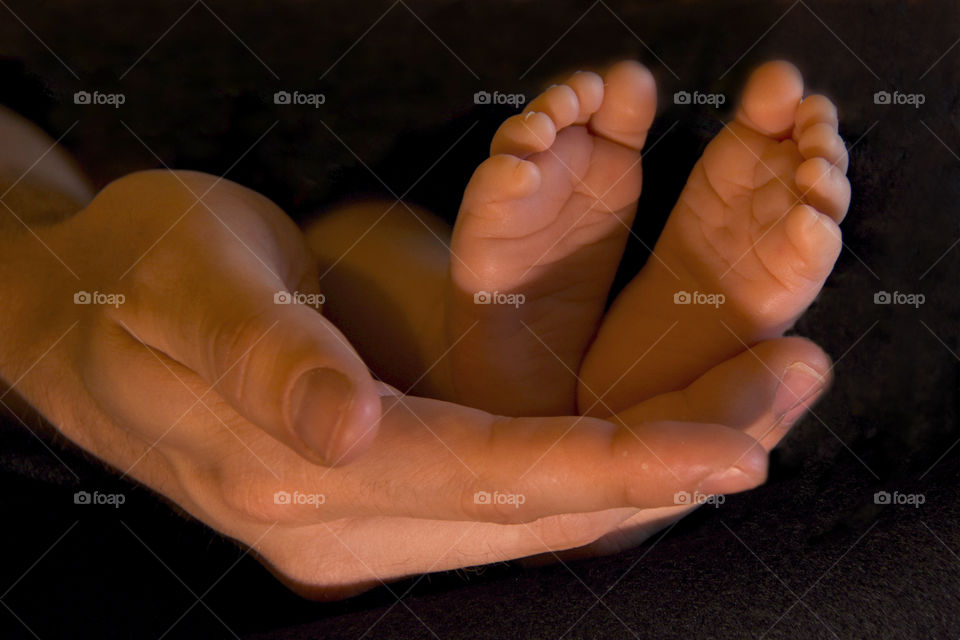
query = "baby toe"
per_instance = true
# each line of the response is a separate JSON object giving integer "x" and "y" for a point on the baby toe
{"x": 817, "y": 240}
{"x": 822, "y": 140}
{"x": 524, "y": 134}
{"x": 816, "y": 109}
{"x": 589, "y": 89}
{"x": 770, "y": 99}
{"x": 560, "y": 103}
{"x": 629, "y": 104}
{"x": 501, "y": 178}
{"x": 824, "y": 186}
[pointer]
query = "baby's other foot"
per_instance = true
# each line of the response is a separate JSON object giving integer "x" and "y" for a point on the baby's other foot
{"x": 745, "y": 251}
{"x": 538, "y": 238}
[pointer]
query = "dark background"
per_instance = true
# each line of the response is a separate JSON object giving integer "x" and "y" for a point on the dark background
{"x": 808, "y": 555}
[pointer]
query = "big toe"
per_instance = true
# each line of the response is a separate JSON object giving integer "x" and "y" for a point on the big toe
{"x": 629, "y": 104}
{"x": 770, "y": 99}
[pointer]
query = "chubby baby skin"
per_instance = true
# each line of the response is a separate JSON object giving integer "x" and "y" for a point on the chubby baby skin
{"x": 544, "y": 220}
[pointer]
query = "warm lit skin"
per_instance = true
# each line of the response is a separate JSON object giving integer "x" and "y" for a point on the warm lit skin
{"x": 547, "y": 216}
{"x": 757, "y": 222}
{"x": 132, "y": 385}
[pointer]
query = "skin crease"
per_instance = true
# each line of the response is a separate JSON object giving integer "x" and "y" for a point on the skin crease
{"x": 546, "y": 216}
{"x": 646, "y": 344}
{"x": 222, "y": 453}
{"x": 757, "y": 222}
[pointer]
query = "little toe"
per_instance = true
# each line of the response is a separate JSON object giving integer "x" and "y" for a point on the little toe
{"x": 560, "y": 102}
{"x": 822, "y": 140}
{"x": 524, "y": 134}
{"x": 816, "y": 109}
{"x": 589, "y": 89}
{"x": 501, "y": 178}
{"x": 629, "y": 104}
{"x": 824, "y": 187}
{"x": 817, "y": 240}
{"x": 771, "y": 98}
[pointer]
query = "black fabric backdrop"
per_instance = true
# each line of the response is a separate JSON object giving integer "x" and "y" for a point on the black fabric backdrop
{"x": 808, "y": 555}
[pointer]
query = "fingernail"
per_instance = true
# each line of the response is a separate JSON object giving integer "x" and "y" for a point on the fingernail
{"x": 799, "y": 387}
{"x": 321, "y": 399}
{"x": 732, "y": 480}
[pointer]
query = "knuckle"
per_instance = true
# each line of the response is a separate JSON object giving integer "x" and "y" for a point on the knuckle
{"x": 234, "y": 345}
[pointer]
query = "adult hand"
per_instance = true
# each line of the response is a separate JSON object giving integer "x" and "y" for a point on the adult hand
{"x": 192, "y": 267}
{"x": 183, "y": 387}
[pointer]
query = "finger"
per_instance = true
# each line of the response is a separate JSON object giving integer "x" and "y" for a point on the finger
{"x": 367, "y": 549}
{"x": 762, "y": 391}
{"x": 464, "y": 464}
{"x": 220, "y": 302}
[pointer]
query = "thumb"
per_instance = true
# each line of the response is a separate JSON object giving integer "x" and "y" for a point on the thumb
{"x": 277, "y": 361}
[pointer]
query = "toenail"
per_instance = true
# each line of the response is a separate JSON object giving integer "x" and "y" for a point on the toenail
{"x": 799, "y": 387}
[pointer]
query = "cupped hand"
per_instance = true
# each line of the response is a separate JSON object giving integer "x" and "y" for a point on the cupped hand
{"x": 181, "y": 371}
{"x": 193, "y": 274}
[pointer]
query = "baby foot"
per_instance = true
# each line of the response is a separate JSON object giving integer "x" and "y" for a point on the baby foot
{"x": 744, "y": 252}
{"x": 538, "y": 238}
